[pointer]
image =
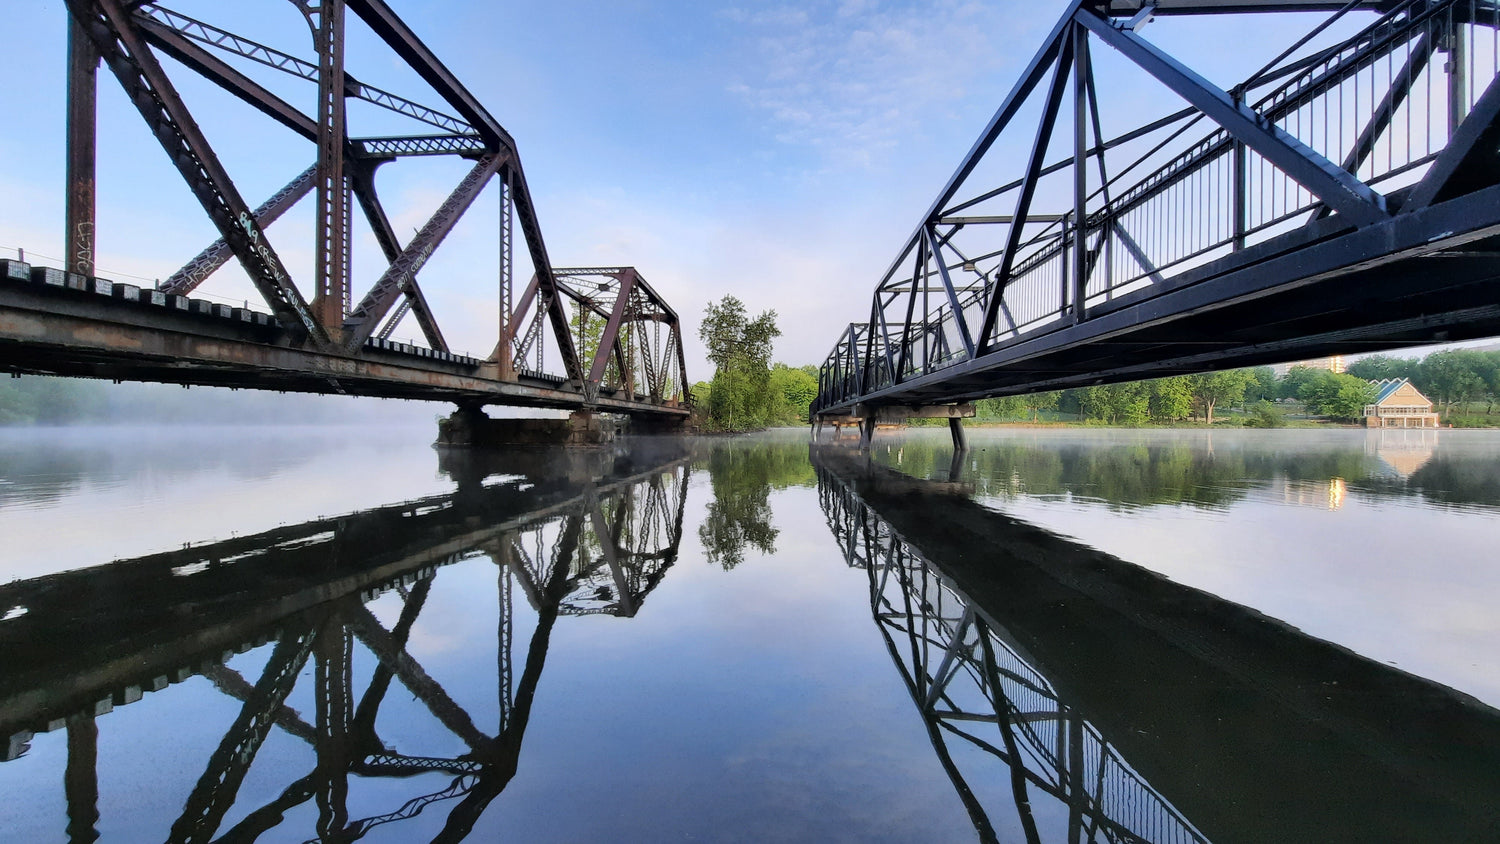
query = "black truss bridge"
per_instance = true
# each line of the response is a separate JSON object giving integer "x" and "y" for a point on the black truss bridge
{"x": 1343, "y": 197}
{"x": 594, "y": 338}
{"x": 570, "y": 534}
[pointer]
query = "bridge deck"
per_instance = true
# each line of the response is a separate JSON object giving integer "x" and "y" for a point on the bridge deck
{"x": 59, "y": 323}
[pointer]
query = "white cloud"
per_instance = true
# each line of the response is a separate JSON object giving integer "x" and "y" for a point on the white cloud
{"x": 852, "y": 79}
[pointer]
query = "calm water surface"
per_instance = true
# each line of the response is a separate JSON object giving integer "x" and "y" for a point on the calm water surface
{"x": 342, "y": 634}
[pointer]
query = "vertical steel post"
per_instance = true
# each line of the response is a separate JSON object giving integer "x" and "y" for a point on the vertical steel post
{"x": 1080, "y": 171}
{"x": 1239, "y": 191}
{"x": 81, "y": 779}
{"x": 956, "y": 428}
{"x": 1458, "y": 77}
{"x": 333, "y": 651}
{"x": 506, "y": 633}
{"x": 333, "y": 190}
{"x": 83, "y": 83}
{"x": 506, "y": 356}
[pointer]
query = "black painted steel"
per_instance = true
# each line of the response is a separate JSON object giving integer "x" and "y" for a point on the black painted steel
{"x": 1342, "y": 198}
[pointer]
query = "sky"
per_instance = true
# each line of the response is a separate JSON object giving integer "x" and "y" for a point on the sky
{"x": 780, "y": 153}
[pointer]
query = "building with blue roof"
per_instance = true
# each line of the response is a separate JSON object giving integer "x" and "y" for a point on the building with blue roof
{"x": 1398, "y": 404}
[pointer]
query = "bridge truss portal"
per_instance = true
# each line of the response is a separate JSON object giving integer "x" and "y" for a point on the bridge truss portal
{"x": 1343, "y": 197}
{"x": 68, "y": 321}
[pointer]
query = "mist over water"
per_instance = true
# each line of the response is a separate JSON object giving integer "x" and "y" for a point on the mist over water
{"x": 279, "y": 634}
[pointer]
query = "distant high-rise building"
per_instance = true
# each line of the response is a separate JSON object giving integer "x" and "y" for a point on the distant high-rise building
{"x": 1334, "y": 363}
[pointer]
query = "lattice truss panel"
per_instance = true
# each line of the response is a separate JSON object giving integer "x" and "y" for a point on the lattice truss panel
{"x": 628, "y": 334}
{"x": 354, "y": 129}
{"x": 1072, "y": 197}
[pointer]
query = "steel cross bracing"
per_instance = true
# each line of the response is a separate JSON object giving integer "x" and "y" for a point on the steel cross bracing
{"x": 146, "y": 45}
{"x": 974, "y": 688}
{"x": 1344, "y": 196}
{"x": 571, "y": 547}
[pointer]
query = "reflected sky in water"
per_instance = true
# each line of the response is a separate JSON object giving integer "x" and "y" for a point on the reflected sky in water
{"x": 1381, "y": 541}
{"x": 691, "y": 647}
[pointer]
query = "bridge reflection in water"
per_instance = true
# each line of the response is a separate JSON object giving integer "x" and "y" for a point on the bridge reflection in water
{"x": 1149, "y": 711}
{"x": 576, "y": 534}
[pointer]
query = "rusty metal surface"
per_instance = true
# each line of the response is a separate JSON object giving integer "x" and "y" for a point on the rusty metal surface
{"x": 322, "y": 335}
{"x": 73, "y": 333}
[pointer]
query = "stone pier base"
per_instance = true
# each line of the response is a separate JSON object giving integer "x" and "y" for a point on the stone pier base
{"x": 470, "y": 427}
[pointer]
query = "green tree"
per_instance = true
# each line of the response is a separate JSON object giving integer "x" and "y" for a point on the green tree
{"x": 1380, "y": 367}
{"x": 1117, "y": 404}
{"x": 1171, "y": 398}
{"x": 1035, "y": 403}
{"x": 1452, "y": 376}
{"x": 794, "y": 390}
{"x": 741, "y": 397}
{"x": 1004, "y": 407}
{"x": 1337, "y": 395}
{"x": 1291, "y": 384}
{"x": 1264, "y": 387}
{"x": 1211, "y": 389}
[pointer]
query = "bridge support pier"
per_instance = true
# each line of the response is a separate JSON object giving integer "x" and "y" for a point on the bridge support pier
{"x": 470, "y": 427}
{"x": 956, "y": 429}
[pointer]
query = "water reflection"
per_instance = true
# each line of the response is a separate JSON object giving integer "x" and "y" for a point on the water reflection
{"x": 743, "y": 474}
{"x": 1213, "y": 470}
{"x": 1121, "y": 706}
{"x": 575, "y": 534}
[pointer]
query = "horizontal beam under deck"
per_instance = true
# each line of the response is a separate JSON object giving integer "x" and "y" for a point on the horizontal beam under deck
{"x": 47, "y": 330}
{"x": 1424, "y": 277}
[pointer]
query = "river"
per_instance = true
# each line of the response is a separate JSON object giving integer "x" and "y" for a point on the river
{"x": 295, "y": 634}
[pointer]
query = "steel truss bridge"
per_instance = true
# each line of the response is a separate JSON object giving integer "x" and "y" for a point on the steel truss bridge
{"x": 592, "y": 338}
{"x": 1343, "y": 197}
{"x": 594, "y": 537}
{"x": 1147, "y": 710}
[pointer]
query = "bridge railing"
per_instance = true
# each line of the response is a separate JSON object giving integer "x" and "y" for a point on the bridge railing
{"x": 1335, "y": 132}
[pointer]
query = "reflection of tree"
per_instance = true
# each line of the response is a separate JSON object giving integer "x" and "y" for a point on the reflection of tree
{"x": 742, "y": 474}
{"x": 1142, "y": 474}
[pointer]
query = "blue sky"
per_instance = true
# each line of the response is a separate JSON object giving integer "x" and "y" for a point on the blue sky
{"x": 778, "y": 152}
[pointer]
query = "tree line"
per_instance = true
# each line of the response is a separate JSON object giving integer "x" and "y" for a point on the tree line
{"x": 1179, "y": 398}
{"x": 748, "y": 391}
{"x": 1451, "y": 378}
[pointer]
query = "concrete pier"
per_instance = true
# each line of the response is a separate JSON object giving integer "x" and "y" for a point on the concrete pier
{"x": 470, "y": 427}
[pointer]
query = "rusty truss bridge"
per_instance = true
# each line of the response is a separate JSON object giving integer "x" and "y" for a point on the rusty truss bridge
{"x": 1341, "y": 196}
{"x": 591, "y": 338}
{"x": 568, "y": 535}
{"x": 1065, "y": 689}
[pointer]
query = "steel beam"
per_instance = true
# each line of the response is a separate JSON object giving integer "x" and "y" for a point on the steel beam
{"x": 1028, "y": 188}
{"x": 362, "y": 180}
{"x": 1356, "y": 201}
{"x": 220, "y": 73}
{"x": 332, "y": 218}
{"x": 220, "y": 783}
{"x": 83, "y": 83}
{"x": 365, "y": 317}
{"x": 124, "y": 49}
{"x": 207, "y": 262}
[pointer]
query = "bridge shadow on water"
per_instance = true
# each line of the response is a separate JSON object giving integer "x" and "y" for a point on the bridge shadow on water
{"x": 1121, "y": 706}
{"x": 578, "y": 533}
